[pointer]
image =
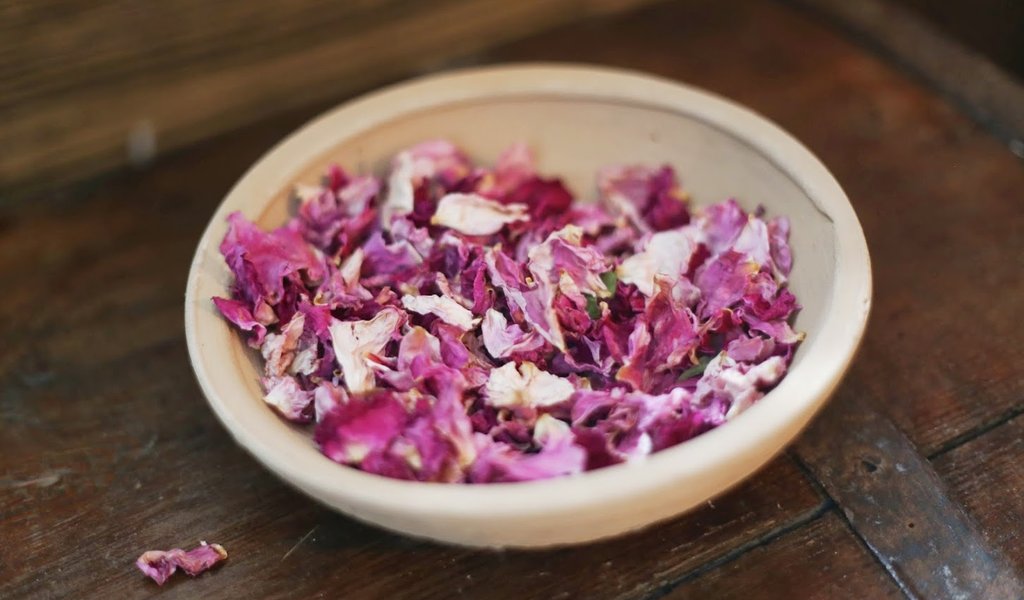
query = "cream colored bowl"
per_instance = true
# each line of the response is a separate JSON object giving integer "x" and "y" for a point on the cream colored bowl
{"x": 576, "y": 119}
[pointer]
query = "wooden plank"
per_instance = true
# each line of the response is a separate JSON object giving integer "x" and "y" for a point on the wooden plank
{"x": 899, "y": 506}
{"x": 112, "y": 83}
{"x": 986, "y": 475}
{"x": 993, "y": 27}
{"x": 96, "y": 396}
{"x": 972, "y": 81}
{"x": 822, "y": 560}
{"x": 109, "y": 443}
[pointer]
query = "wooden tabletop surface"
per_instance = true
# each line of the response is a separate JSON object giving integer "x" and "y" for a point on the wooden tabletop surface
{"x": 909, "y": 484}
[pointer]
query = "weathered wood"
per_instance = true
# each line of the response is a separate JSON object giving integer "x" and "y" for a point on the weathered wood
{"x": 993, "y": 27}
{"x": 108, "y": 449}
{"x": 111, "y": 444}
{"x": 986, "y": 475}
{"x": 972, "y": 81}
{"x": 821, "y": 561}
{"x": 88, "y": 87}
{"x": 899, "y": 506}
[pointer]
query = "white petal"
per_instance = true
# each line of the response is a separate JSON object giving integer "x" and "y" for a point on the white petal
{"x": 285, "y": 395}
{"x": 549, "y": 429}
{"x": 446, "y": 309}
{"x": 279, "y": 348}
{"x": 399, "y": 200}
{"x": 305, "y": 359}
{"x": 355, "y": 341}
{"x": 351, "y": 268}
{"x": 742, "y": 383}
{"x": 306, "y": 193}
{"x": 527, "y": 386}
{"x": 472, "y": 214}
{"x": 753, "y": 241}
{"x": 667, "y": 253}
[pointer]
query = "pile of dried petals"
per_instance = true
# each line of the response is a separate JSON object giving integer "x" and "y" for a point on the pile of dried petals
{"x": 456, "y": 323}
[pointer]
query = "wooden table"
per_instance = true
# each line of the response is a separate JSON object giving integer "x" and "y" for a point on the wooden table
{"x": 909, "y": 484}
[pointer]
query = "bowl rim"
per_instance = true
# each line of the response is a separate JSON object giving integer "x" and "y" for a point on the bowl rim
{"x": 796, "y": 398}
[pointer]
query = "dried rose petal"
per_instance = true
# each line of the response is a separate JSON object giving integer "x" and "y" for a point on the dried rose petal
{"x": 261, "y": 261}
{"x": 288, "y": 398}
{"x": 666, "y": 254}
{"x": 525, "y": 386}
{"x": 159, "y": 565}
{"x": 242, "y": 317}
{"x": 355, "y": 342}
{"x": 503, "y": 340}
{"x": 445, "y": 308}
{"x": 473, "y": 214}
{"x": 650, "y": 198}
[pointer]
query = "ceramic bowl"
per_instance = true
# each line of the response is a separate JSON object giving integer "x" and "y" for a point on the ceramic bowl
{"x": 576, "y": 119}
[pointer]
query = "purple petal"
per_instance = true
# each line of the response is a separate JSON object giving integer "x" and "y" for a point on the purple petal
{"x": 723, "y": 281}
{"x": 237, "y": 313}
{"x": 159, "y": 565}
{"x": 497, "y": 462}
{"x": 650, "y": 198}
{"x": 722, "y": 223}
{"x": 261, "y": 261}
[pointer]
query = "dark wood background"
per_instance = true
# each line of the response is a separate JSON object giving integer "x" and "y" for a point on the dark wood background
{"x": 909, "y": 484}
{"x": 87, "y": 88}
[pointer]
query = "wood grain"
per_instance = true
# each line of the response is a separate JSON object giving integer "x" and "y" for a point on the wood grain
{"x": 993, "y": 27}
{"x": 823, "y": 560}
{"x": 107, "y": 84}
{"x": 979, "y": 87}
{"x": 108, "y": 448}
{"x": 900, "y": 507}
{"x": 986, "y": 475}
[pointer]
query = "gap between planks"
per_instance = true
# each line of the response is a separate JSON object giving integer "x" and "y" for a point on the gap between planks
{"x": 752, "y": 544}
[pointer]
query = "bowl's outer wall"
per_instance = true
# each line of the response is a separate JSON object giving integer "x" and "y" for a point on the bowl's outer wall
{"x": 575, "y": 120}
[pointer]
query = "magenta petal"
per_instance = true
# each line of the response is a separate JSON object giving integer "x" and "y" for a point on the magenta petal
{"x": 723, "y": 281}
{"x": 397, "y": 260}
{"x": 159, "y": 565}
{"x": 650, "y": 198}
{"x": 237, "y": 313}
{"x": 750, "y": 349}
{"x": 499, "y": 462}
{"x": 663, "y": 338}
{"x": 534, "y": 302}
{"x": 361, "y": 427}
{"x": 261, "y": 261}
{"x": 325, "y": 212}
{"x": 722, "y": 224}
{"x": 543, "y": 197}
{"x": 440, "y": 160}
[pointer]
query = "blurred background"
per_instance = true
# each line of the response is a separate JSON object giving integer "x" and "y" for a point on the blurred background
{"x": 88, "y": 88}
